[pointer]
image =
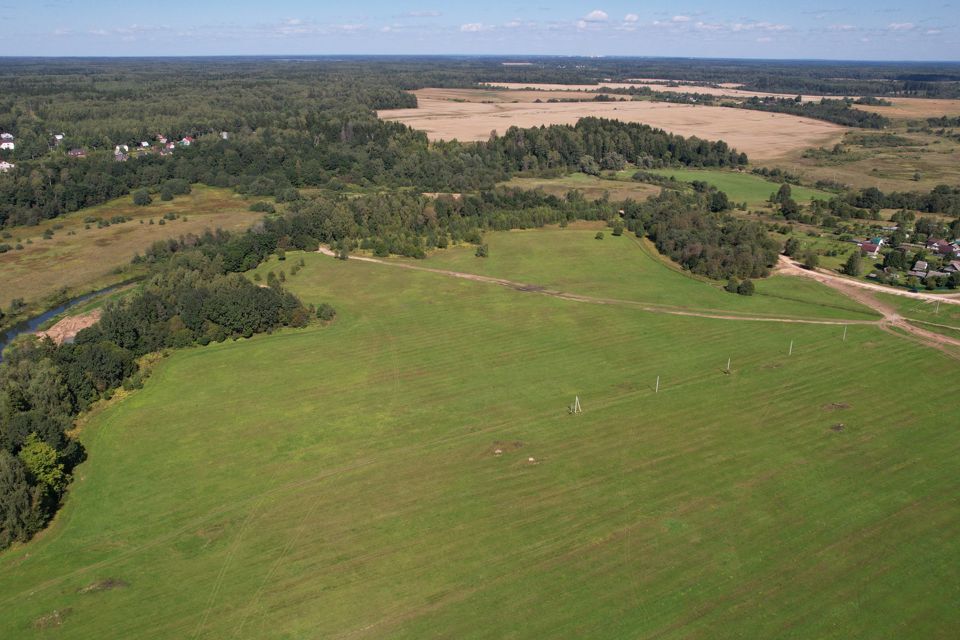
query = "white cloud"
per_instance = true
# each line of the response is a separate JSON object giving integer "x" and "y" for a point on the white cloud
{"x": 901, "y": 26}
{"x": 934, "y": 32}
{"x": 765, "y": 39}
{"x": 473, "y": 27}
{"x": 596, "y": 16}
{"x": 422, "y": 14}
{"x": 631, "y": 17}
{"x": 680, "y": 19}
{"x": 842, "y": 27}
{"x": 581, "y": 24}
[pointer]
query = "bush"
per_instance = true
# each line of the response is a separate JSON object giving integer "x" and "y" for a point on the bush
{"x": 166, "y": 194}
{"x": 263, "y": 207}
{"x": 617, "y": 228}
{"x": 482, "y": 251}
{"x": 732, "y": 285}
{"x": 141, "y": 197}
{"x": 326, "y": 313}
{"x": 599, "y": 236}
{"x": 746, "y": 288}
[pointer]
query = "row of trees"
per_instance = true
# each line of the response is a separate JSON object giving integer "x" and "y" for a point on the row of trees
{"x": 836, "y": 111}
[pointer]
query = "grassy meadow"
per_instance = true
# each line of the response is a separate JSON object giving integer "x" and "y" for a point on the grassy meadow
{"x": 742, "y": 187}
{"x": 592, "y": 187}
{"x": 624, "y": 267}
{"x": 343, "y": 481}
{"x": 81, "y": 259}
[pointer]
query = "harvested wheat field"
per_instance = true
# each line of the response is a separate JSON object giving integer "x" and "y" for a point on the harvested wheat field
{"x": 656, "y": 85}
{"x": 761, "y": 135}
{"x": 916, "y": 108}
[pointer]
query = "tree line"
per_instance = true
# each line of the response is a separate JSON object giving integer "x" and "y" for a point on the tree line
{"x": 837, "y": 111}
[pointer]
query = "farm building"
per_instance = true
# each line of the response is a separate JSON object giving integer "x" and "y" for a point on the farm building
{"x": 8, "y": 145}
{"x": 6, "y": 166}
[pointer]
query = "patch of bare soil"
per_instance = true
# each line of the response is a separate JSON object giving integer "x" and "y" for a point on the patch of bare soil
{"x": 104, "y": 585}
{"x": 53, "y": 619}
{"x": 835, "y": 406}
{"x": 68, "y": 328}
{"x": 838, "y": 427}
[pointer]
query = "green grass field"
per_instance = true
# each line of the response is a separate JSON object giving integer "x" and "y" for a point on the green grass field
{"x": 592, "y": 187}
{"x": 742, "y": 187}
{"x": 342, "y": 481}
{"x": 623, "y": 267}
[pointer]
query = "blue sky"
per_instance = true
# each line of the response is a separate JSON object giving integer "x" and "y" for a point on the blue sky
{"x": 878, "y": 30}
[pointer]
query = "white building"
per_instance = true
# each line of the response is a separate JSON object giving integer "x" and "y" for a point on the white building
{"x": 7, "y": 145}
{"x": 6, "y": 166}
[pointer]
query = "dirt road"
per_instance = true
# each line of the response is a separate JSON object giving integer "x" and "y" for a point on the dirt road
{"x": 575, "y": 297}
{"x": 861, "y": 292}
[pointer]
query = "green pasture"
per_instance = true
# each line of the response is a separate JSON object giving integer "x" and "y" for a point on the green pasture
{"x": 570, "y": 260}
{"x": 741, "y": 187}
{"x": 342, "y": 481}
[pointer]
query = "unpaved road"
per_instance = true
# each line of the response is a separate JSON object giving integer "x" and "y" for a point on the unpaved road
{"x": 575, "y": 297}
{"x": 863, "y": 292}
{"x": 892, "y": 322}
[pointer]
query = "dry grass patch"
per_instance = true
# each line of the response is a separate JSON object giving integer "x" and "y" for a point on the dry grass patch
{"x": 87, "y": 260}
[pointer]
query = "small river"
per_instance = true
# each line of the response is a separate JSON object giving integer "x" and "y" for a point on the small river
{"x": 32, "y": 324}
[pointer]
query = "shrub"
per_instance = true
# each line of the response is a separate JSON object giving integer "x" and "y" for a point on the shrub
{"x": 482, "y": 251}
{"x": 599, "y": 236}
{"x": 732, "y": 285}
{"x": 325, "y": 312}
{"x": 746, "y": 288}
{"x": 141, "y": 197}
{"x": 263, "y": 207}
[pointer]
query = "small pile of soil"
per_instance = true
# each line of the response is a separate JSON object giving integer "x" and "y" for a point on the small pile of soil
{"x": 838, "y": 427}
{"x": 835, "y": 406}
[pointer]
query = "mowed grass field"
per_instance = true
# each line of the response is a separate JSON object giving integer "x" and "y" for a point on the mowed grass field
{"x": 742, "y": 187}
{"x": 592, "y": 187}
{"x": 623, "y": 267}
{"x": 342, "y": 481}
{"x": 86, "y": 261}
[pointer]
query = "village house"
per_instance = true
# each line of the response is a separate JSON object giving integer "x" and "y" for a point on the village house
{"x": 6, "y": 136}
{"x": 161, "y": 139}
{"x": 920, "y": 269}
{"x": 8, "y": 145}
{"x": 58, "y": 139}
{"x": 224, "y": 135}
{"x": 870, "y": 249}
{"x": 77, "y": 153}
{"x": 6, "y": 166}
{"x": 120, "y": 156}
{"x": 953, "y": 267}
{"x": 941, "y": 247}
{"x": 186, "y": 142}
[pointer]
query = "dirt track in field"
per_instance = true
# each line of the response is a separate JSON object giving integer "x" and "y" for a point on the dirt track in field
{"x": 892, "y": 322}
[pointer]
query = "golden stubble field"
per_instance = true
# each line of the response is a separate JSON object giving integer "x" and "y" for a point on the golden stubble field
{"x": 446, "y": 114}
